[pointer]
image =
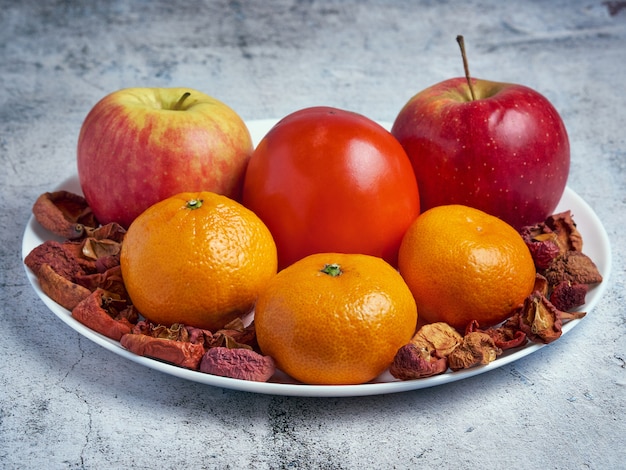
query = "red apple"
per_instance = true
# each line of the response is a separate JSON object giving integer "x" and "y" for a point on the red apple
{"x": 505, "y": 151}
{"x": 138, "y": 146}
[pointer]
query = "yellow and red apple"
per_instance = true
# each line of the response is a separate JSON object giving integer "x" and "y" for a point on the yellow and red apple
{"x": 138, "y": 146}
{"x": 504, "y": 150}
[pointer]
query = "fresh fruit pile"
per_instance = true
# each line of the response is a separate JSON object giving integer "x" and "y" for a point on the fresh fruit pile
{"x": 309, "y": 253}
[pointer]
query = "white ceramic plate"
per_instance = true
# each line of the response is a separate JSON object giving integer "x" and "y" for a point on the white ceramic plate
{"x": 596, "y": 245}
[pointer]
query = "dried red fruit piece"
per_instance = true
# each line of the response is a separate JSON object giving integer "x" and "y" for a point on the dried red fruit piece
{"x": 143, "y": 327}
{"x": 506, "y": 336}
{"x": 412, "y": 362}
{"x": 60, "y": 289}
{"x": 61, "y": 257}
{"x": 438, "y": 338}
{"x": 63, "y": 213}
{"x": 567, "y": 295}
{"x": 111, "y": 231}
{"x": 109, "y": 280}
{"x": 542, "y": 321}
{"x": 543, "y": 247}
{"x": 569, "y": 238}
{"x": 477, "y": 348}
{"x": 234, "y": 335}
{"x": 426, "y": 354}
{"x": 104, "y": 313}
{"x": 199, "y": 336}
{"x": 541, "y": 284}
{"x": 552, "y": 238}
{"x": 575, "y": 267}
{"x": 175, "y": 332}
{"x": 562, "y": 282}
{"x": 67, "y": 277}
{"x": 105, "y": 263}
{"x": 180, "y": 353}
{"x": 94, "y": 248}
{"x": 239, "y": 363}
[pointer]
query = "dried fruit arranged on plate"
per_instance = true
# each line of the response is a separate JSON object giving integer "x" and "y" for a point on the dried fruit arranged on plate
{"x": 69, "y": 271}
{"x": 564, "y": 275}
{"x": 84, "y": 275}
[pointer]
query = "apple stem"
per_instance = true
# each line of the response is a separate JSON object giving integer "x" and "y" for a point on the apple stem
{"x": 461, "y": 42}
{"x": 179, "y": 103}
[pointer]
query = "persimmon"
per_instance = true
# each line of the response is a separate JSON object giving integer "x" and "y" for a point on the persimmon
{"x": 328, "y": 180}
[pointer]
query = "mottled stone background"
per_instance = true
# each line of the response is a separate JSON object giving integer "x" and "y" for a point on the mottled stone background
{"x": 68, "y": 403}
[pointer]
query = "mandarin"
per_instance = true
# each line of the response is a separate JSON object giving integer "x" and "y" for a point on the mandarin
{"x": 463, "y": 264}
{"x": 334, "y": 318}
{"x": 200, "y": 259}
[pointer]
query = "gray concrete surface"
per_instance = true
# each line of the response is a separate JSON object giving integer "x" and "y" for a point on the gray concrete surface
{"x": 68, "y": 403}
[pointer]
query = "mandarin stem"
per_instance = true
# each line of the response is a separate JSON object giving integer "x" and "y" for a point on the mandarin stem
{"x": 332, "y": 270}
{"x": 194, "y": 204}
